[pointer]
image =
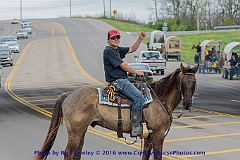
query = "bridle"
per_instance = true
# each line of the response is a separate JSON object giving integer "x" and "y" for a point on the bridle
{"x": 182, "y": 91}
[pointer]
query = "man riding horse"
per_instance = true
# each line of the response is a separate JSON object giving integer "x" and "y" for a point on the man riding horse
{"x": 116, "y": 74}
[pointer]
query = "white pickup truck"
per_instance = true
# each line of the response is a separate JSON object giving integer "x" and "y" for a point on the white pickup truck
{"x": 154, "y": 59}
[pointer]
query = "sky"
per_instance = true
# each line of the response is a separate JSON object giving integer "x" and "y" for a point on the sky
{"x": 34, "y": 9}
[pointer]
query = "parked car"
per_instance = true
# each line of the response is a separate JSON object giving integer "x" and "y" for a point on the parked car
{"x": 22, "y": 33}
{"x": 6, "y": 55}
{"x": 140, "y": 67}
{"x": 154, "y": 59}
{"x": 14, "y": 21}
{"x": 28, "y": 28}
{"x": 12, "y": 43}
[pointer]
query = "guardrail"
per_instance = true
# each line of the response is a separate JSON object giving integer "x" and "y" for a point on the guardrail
{"x": 227, "y": 27}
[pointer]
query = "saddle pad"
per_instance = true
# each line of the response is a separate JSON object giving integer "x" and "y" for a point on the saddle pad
{"x": 105, "y": 100}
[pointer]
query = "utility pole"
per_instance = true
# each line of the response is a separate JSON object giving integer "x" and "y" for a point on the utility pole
{"x": 197, "y": 19}
{"x": 110, "y": 9}
{"x": 20, "y": 9}
{"x": 104, "y": 12}
{"x": 156, "y": 10}
{"x": 70, "y": 9}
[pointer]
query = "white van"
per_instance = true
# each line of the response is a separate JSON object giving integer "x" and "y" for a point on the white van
{"x": 154, "y": 59}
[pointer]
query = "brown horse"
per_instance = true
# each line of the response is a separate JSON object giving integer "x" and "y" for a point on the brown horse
{"x": 194, "y": 47}
{"x": 80, "y": 108}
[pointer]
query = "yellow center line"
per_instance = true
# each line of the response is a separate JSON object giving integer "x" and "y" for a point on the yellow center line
{"x": 13, "y": 95}
{"x": 216, "y": 113}
{"x": 202, "y": 137}
{"x": 196, "y": 117}
{"x": 42, "y": 100}
{"x": 62, "y": 27}
{"x": 79, "y": 65}
{"x": 210, "y": 124}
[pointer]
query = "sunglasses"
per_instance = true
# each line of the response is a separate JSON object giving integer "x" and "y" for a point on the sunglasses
{"x": 115, "y": 37}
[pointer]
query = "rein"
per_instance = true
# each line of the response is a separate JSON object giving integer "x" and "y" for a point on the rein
{"x": 166, "y": 109}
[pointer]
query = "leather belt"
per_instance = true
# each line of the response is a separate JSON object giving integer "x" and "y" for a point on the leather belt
{"x": 115, "y": 80}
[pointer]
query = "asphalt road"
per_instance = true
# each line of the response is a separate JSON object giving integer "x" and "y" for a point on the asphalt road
{"x": 65, "y": 54}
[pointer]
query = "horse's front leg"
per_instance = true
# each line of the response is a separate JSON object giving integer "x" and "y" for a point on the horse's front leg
{"x": 157, "y": 147}
{"x": 147, "y": 148}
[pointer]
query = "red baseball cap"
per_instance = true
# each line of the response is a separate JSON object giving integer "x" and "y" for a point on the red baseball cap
{"x": 113, "y": 32}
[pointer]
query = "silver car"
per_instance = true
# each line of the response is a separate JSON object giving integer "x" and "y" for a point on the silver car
{"x": 14, "y": 46}
{"x": 6, "y": 57}
{"x": 22, "y": 33}
{"x": 140, "y": 67}
{"x": 11, "y": 42}
{"x": 28, "y": 28}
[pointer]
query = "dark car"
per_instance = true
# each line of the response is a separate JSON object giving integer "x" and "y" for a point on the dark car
{"x": 140, "y": 67}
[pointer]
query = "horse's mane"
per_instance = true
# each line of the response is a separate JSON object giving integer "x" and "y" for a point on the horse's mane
{"x": 163, "y": 86}
{"x": 166, "y": 84}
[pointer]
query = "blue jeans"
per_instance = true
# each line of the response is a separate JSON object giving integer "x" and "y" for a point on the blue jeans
{"x": 236, "y": 69}
{"x": 199, "y": 57}
{"x": 128, "y": 89}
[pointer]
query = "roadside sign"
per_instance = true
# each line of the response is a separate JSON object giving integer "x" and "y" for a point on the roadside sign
{"x": 165, "y": 27}
{"x": 114, "y": 11}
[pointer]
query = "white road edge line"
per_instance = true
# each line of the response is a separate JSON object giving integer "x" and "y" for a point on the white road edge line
{"x": 218, "y": 85}
{"x": 235, "y": 101}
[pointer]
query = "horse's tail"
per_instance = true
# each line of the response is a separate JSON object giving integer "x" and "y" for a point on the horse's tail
{"x": 57, "y": 118}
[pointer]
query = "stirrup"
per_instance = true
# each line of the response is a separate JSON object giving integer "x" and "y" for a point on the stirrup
{"x": 146, "y": 132}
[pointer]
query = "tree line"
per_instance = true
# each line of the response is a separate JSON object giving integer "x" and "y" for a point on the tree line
{"x": 189, "y": 14}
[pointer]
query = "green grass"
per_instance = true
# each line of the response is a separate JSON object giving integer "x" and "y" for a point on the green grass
{"x": 187, "y": 53}
{"x": 127, "y": 27}
{"x": 223, "y": 38}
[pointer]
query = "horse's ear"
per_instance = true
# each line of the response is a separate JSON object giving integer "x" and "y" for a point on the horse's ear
{"x": 196, "y": 68}
{"x": 181, "y": 67}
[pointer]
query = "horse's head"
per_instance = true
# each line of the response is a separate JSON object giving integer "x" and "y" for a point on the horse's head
{"x": 194, "y": 47}
{"x": 188, "y": 85}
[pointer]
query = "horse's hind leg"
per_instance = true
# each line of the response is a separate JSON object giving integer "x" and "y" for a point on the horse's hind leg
{"x": 147, "y": 148}
{"x": 74, "y": 145}
{"x": 79, "y": 149}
